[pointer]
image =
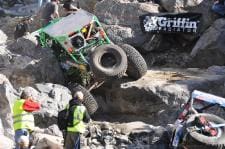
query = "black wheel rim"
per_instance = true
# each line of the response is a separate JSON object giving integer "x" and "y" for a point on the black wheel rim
{"x": 108, "y": 60}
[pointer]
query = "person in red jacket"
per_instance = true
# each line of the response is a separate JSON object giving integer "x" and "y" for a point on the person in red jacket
{"x": 23, "y": 120}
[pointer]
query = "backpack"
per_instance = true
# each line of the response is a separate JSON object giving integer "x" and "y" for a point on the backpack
{"x": 65, "y": 118}
{"x": 62, "y": 119}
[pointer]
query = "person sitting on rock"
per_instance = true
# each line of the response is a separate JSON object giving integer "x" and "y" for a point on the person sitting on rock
{"x": 23, "y": 120}
{"x": 22, "y": 28}
{"x": 219, "y": 7}
{"x": 77, "y": 116}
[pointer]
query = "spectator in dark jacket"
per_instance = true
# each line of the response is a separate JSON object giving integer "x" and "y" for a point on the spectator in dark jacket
{"x": 77, "y": 116}
{"x": 219, "y": 7}
{"x": 22, "y": 28}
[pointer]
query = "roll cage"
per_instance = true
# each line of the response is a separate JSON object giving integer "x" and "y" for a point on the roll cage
{"x": 76, "y": 34}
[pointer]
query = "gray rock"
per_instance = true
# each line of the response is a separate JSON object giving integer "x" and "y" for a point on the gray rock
{"x": 3, "y": 37}
{"x": 209, "y": 50}
{"x": 25, "y": 64}
{"x": 164, "y": 42}
{"x": 6, "y": 143}
{"x": 50, "y": 105}
{"x": 124, "y": 13}
{"x": 8, "y": 24}
{"x": 148, "y": 136}
{"x": 47, "y": 141}
{"x": 122, "y": 139}
{"x": 95, "y": 142}
{"x": 132, "y": 135}
{"x": 8, "y": 96}
{"x": 199, "y": 6}
{"x": 156, "y": 98}
{"x": 118, "y": 34}
{"x": 218, "y": 70}
{"x": 21, "y": 10}
{"x": 53, "y": 98}
{"x": 1, "y": 128}
{"x": 88, "y": 5}
{"x": 122, "y": 18}
{"x": 174, "y": 5}
{"x": 95, "y": 131}
{"x": 53, "y": 130}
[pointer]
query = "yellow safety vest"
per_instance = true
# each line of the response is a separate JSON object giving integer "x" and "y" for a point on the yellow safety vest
{"x": 78, "y": 124}
{"x": 21, "y": 118}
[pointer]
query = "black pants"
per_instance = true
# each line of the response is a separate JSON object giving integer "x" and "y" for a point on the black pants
{"x": 72, "y": 140}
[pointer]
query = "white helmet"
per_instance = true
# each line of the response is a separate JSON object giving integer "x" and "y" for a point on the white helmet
{"x": 79, "y": 95}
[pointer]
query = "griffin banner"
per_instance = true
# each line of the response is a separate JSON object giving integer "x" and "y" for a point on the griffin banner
{"x": 170, "y": 23}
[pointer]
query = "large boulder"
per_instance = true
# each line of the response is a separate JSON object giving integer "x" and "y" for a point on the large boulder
{"x": 157, "y": 97}
{"x": 6, "y": 143}
{"x": 8, "y": 95}
{"x": 8, "y": 24}
{"x": 53, "y": 130}
{"x": 3, "y": 37}
{"x": 25, "y": 63}
{"x": 176, "y": 6}
{"x": 53, "y": 98}
{"x": 22, "y": 10}
{"x": 209, "y": 50}
{"x": 122, "y": 18}
{"x": 47, "y": 141}
{"x": 199, "y": 6}
{"x": 88, "y": 5}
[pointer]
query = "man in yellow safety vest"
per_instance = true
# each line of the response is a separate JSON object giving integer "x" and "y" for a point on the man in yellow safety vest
{"x": 77, "y": 116}
{"x": 23, "y": 120}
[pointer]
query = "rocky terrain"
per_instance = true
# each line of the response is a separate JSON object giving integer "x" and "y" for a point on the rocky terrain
{"x": 132, "y": 114}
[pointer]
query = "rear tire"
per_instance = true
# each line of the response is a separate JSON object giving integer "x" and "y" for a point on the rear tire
{"x": 89, "y": 101}
{"x": 137, "y": 66}
{"x": 195, "y": 140}
{"x": 108, "y": 61}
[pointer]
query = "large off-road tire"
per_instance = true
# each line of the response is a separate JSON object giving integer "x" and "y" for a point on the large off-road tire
{"x": 137, "y": 66}
{"x": 89, "y": 101}
{"x": 108, "y": 61}
{"x": 196, "y": 140}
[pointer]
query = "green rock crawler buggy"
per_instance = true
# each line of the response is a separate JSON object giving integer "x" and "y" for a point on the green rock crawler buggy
{"x": 82, "y": 46}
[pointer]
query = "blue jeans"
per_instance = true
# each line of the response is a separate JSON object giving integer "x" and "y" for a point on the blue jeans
{"x": 77, "y": 143}
{"x": 72, "y": 140}
{"x": 219, "y": 9}
{"x": 18, "y": 134}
